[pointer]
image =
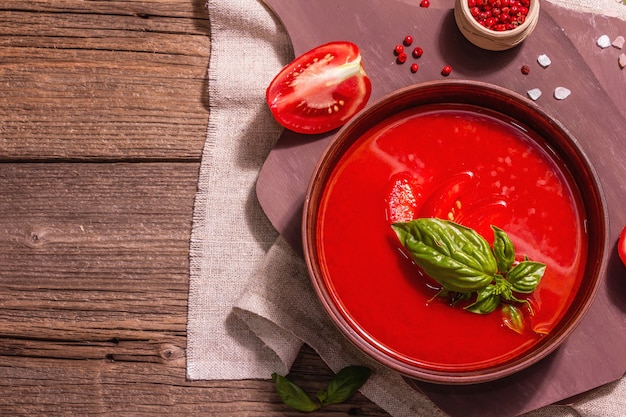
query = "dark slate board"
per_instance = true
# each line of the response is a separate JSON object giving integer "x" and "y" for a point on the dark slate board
{"x": 595, "y": 113}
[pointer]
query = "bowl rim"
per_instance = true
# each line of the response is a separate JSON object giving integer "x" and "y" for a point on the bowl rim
{"x": 568, "y": 323}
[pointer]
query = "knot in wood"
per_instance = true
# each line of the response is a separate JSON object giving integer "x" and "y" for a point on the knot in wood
{"x": 35, "y": 238}
{"x": 170, "y": 352}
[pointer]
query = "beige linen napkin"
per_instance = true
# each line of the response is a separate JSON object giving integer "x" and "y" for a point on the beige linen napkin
{"x": 231, "y": 235}
{"x": 251, "y": 305}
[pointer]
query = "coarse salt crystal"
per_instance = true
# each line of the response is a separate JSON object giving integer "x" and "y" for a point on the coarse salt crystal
{"x": 604, "y": 41}
{"x": 534, "y": 94}
{"x": 618, "y": 42}
{"x": 622, "y": 61}
{"x": 561, "y": 93}
{"x": 544, "y": 60}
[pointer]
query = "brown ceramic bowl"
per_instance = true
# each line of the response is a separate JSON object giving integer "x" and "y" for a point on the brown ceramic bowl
{"x": 374, "y": 293}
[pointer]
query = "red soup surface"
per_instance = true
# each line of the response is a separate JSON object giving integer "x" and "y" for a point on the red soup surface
{"x": 469, "y": 165}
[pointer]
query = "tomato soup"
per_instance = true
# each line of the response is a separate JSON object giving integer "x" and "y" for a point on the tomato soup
{"x": 469, "y": 165}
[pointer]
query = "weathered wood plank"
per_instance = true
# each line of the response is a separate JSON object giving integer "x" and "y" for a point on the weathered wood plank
{"x": 37, "y": 386}
{"x": 185, "y": 9}
{"x": 93, "y": 84}
{"x": 95, "y": 249}
{"x": 156, "y": 34}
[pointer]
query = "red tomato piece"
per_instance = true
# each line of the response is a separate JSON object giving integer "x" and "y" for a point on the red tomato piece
{"x": 321, "y": 89}
{"x": 447, "y": 199}
{"x": 621, "y": 245}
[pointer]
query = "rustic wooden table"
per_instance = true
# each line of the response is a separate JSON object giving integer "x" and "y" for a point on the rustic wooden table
{"x": 103, "y": 115}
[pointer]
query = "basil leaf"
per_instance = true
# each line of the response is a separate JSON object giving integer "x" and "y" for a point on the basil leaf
{"x": 512, "y": 318}
{"x": 344, "y": 385}
{"x": 457, "y": 257}
{"x": 292, "y": 395}
{"x": 525, "y": 276}
{"x": 487, "y": 300}
{"x": 503, "y": 249}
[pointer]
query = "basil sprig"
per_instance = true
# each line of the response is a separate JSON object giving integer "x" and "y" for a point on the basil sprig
{"x": 343, "y": 386}
{"x": 461, "y": 260}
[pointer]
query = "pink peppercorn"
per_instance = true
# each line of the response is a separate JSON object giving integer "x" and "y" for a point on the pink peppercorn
{"x": 499, "y": 15}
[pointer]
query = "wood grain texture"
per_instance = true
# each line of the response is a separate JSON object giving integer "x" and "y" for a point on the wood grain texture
{"x": 87, "y": 80}
{"x": 103, "y": 115}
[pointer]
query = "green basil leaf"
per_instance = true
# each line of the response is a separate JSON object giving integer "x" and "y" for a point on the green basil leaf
{"x": 513, "y": 318}
{"x": 344, "y": 385}
{"x": 503, "y": 249}
{"x": 525, "y": 276}
{"x": 292, "y": 395}
{"x": 486, "y": 302}
{"x": 457, "y": 257}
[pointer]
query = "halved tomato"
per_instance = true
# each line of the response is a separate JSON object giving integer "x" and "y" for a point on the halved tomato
{"x": 321, "y": 89}
{"x": 621, "y": 245}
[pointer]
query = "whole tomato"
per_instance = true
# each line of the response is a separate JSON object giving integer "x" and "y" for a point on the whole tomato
{"x": 621, "y": 245}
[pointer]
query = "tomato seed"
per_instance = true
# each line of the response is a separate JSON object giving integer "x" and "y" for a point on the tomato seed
{"x": 414, "y": 68}
{"x": 401, "y": 58}
{"x": 398, "y": 50}
{"x": 408, "y": 40}
{"x": 447, "y": 70}
{"x": 417, "y": 52}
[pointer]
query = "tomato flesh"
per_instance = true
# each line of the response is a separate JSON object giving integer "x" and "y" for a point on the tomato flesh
{"x": 320, "y": 90}
{"x": 621, "y": 245}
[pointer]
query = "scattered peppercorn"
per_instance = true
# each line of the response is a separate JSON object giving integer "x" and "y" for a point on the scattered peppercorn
{"x": 414, "y": 68}
{"x": 401, "y": 58}
{"x": 425, "y": 3}
{"x": 408, "y": 40}
{"x": 417, "y": 52}
{"x": 525, "y": 69}
{"x": 447, "y": 70}
{"x": 398, "y": 49}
